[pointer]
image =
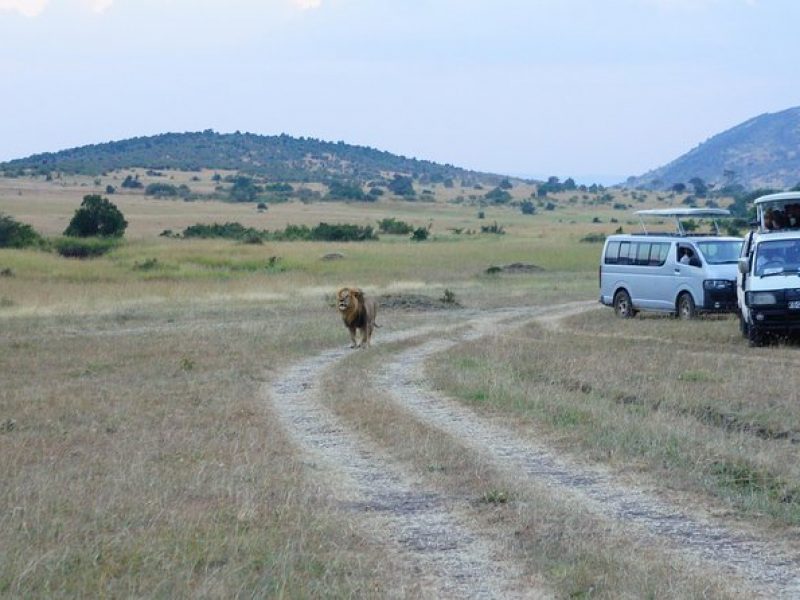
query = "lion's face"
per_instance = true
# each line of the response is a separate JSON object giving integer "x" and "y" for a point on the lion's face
{"x": 347, "y": 300}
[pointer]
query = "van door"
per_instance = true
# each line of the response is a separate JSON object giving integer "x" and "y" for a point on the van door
{"x": 661, "y": 280}
{"x": 688, "y": 272}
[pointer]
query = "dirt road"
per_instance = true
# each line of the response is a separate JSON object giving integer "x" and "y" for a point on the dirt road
{"x": 429, "y": 532}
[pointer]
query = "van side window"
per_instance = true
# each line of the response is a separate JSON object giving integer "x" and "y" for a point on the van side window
{"x": 658, "y": 254}
{"x": 624, "y": 253}
{"x": 612, "y": 252}
{"x": 643, "y": 253}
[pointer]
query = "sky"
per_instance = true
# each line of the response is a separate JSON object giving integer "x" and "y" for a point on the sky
{"x": 592, "y": 89}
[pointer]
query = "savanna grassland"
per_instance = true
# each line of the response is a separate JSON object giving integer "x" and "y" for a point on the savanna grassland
{"x": 151, "y": 402}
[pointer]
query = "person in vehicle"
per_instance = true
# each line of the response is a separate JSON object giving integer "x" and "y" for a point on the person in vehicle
{"x": 686, "y": 256}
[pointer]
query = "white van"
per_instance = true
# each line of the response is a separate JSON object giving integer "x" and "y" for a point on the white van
{"x": 677, "y": 273}
{"x": 768, "y": 284}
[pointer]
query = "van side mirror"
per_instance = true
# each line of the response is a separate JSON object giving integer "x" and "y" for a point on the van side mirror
{"x": 744, "y": 265}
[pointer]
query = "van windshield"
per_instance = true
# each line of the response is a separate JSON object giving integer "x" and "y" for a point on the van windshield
{"x": 777, "y": 256}
{"x": 719, "y": 252}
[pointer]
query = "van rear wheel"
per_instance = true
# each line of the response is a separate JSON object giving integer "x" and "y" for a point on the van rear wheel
{"x": 686, "y": 307}
{"x": 623, "y": 307}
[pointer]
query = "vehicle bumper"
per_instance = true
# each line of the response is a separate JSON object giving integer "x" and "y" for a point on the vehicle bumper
{"x": 719, "y": 300}
{"x": 773, "y": 318}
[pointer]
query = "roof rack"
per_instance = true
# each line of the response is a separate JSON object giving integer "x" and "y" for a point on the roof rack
{"x": 778, "y": 212}
{"x": 678, "y": 213}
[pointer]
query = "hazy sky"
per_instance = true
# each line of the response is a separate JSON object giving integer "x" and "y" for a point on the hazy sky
{"x": 594, "y": 89}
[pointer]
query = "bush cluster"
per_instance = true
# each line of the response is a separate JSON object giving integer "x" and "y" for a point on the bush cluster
{"x": 17, "y": 235}
{"x": 73, "y": 247}
{"x": 323, "y": 232}
{"x": 393, "y": 226}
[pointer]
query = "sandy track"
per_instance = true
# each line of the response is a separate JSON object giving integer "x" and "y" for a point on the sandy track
{"x": 429, "y": 532}
{"x": 770, "y": 572}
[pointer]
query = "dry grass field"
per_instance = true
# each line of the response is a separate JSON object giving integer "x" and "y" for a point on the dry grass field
{"x": 181, "y": 418}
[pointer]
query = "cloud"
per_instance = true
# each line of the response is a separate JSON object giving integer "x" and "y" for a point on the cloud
{"x": 28, "y": 8}
{"x": 33, "y": 8}
{"x": 97, "y": 6}
{"x": 306, "y": 4}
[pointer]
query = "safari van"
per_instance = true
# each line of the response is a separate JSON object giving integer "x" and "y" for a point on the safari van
{"x": 768, "y": 282}
{"x": 679, "y": 273}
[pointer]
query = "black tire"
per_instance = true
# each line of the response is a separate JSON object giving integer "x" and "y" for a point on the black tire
{"x": 755, "y": 336}
{"x": 623, "y": 307}
{"x": 686, "y": 308}
{"x": 743, "y": 326}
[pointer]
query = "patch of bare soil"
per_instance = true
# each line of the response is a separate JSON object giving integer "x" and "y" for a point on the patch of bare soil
{"x": 415, "y": 302}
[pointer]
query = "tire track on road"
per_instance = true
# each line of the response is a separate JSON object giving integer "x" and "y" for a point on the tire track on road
{"x": 766, "y": 568}
{"x": 426, "y": 529}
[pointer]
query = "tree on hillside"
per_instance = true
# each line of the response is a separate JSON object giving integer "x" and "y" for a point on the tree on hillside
{"x": 402, "y": 185}
{"x": 244, "y": 189}
{"x": 132, "y": 182}
{"x": 497, "y": 196}
{"x": 96, "y": 217}
{"x": 700, "y": 187}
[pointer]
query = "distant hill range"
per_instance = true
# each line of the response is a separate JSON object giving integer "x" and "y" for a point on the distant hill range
{"x": 281, "y": 158}
{"x": 763, "y": 152}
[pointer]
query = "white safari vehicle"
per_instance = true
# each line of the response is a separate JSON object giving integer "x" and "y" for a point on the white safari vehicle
{"x": 678, "y": 272}
{"x": 768, "y": 283}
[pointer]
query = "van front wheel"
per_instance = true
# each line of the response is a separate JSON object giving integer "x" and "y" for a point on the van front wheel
{"x": 623, "y": 307}
{"x": 755, "y": 337}
{"x": 686, "y": 307}
{"x": 743, "y": 326}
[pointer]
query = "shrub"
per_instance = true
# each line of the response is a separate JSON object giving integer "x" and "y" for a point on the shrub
{"x": 527, "y": 208}
{"x": 231, "y": 231}
{"x": 342, "y": 233}
{"x": 341, "y": 190}
{"x": 160, "y": 189}
{"x": 96, "y": 217}
{"x": 497, "y": 196}
{"x": 322, "y": 232}
{"x": 88, "y": 247}
{"x": 420, "y": 234}
{"x": 244, "y": 189}
{"x": 402, "y": 185}
{"x": 132, "y": 182}
{"x": 392, "y": 225}
{"x": 17, "y": 235}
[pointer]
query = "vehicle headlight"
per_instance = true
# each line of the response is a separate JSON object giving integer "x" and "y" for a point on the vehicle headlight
{"x": 717, "y": 284}
{"x": 761, "y": 298}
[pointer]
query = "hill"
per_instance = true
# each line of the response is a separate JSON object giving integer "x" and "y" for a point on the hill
{"x": 763, "y": 152}
{"x": 281, "y": 157}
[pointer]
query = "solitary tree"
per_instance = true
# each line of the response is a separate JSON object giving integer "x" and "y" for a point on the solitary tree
{"x": 96, "y": 217}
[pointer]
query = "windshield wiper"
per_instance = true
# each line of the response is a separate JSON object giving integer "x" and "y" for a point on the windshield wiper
{"x": 781, "y": 272}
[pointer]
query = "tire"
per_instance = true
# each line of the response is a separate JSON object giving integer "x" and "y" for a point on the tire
{"x": 755, "y": 336}
{"x": 743, "y": 326}
{"x": 686, "y": 307}
{"x": 623, "y": 307}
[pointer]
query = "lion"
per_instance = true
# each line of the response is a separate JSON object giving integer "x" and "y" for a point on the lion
{"x": 358, "y": 312}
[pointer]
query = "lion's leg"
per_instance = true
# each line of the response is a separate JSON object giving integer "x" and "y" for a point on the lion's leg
{"x": 353, "y": 337}
{"x": 367, "y": 335}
